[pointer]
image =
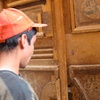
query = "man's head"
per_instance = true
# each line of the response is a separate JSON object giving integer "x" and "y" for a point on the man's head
{"x": 17, "y": 32}
{"x": 13, "y": 42}
{"x": 13, "y": 22}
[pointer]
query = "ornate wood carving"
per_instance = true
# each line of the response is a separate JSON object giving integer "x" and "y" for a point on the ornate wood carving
{"x": 49, "y": 95}
{"x": 91, "y": 9}
{"x": 87, "y": 79}
{"x": 43, "y": 78}
{"x": 85, "y": 15}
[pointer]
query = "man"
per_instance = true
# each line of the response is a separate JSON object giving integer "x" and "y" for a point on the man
{"x": 17, "y": 38}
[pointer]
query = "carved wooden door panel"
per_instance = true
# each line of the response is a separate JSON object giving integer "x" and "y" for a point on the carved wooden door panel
{"x": 82, "y": 27}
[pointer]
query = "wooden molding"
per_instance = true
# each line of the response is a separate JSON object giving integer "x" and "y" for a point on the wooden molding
{"x": 83, "y": 29}
{"x": 20, "y": 2}
{"x": 60, "y": 38}
{"x": 41, "y": 68}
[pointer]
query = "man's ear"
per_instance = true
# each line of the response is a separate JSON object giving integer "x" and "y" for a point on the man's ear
{"x": 23, "y": 41}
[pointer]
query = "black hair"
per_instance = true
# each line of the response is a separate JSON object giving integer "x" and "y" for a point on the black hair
{"x": 12, "y": 42}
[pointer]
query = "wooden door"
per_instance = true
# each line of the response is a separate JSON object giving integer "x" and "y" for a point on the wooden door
{"x": 82, "y": 28}
{"x": 70, "y": 44}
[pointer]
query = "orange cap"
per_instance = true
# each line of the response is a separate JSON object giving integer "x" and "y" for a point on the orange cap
{"x": 13, "y": 22}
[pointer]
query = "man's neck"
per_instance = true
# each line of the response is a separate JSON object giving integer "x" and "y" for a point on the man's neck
{"x": 9, "y": 61}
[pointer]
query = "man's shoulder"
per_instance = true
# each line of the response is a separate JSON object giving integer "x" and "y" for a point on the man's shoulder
{"x": 11, "y": 78}
{"x": 17, "y": 86}
{"x": 13, "y": 82}
{"x": 4, "y": 92}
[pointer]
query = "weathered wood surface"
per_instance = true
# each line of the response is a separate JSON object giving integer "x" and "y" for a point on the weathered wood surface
{"x": 82, "y": 27}
{"x": 71, "y": 38}
{"x": 85, "y": 15}
{"x": 61, "y": 48}
{"x": 40, "y": 78}
{"x": 83, "y": 46}
{"x": 87, "y": 79}
{"x": 1, "y": 5}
